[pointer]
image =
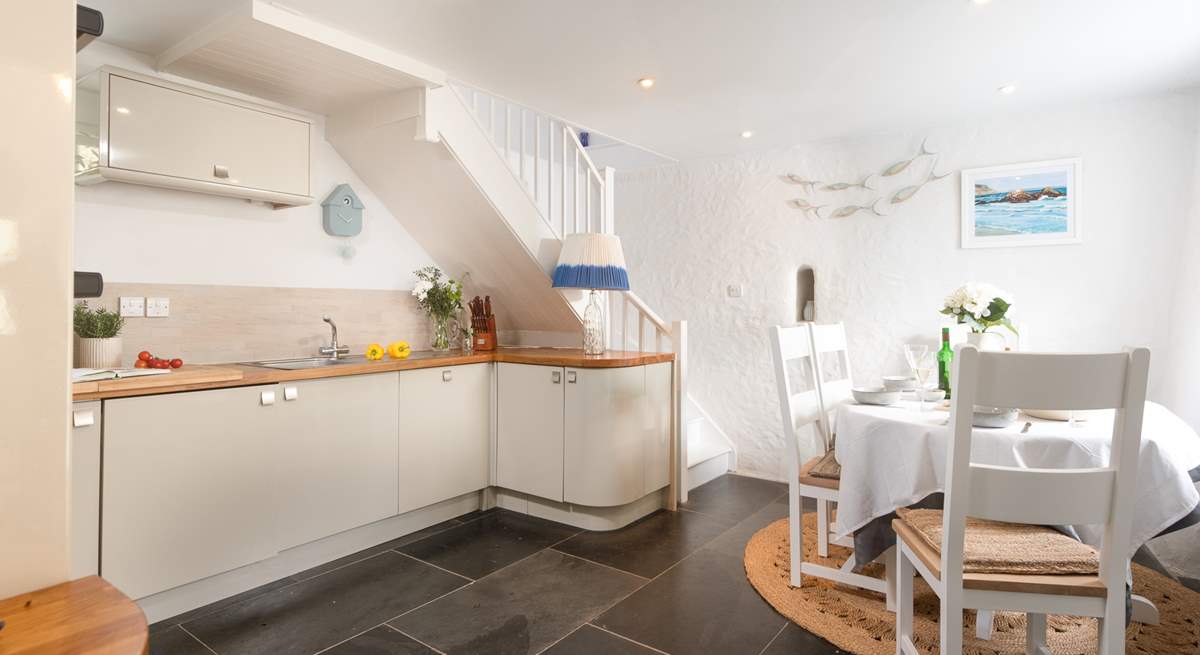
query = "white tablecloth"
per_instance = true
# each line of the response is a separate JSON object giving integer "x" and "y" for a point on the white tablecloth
{"x": 894, "y": 456}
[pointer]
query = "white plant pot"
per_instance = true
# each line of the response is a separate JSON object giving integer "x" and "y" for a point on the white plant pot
{"x": 98, "y": 353}
{"x": 986, "y": 341}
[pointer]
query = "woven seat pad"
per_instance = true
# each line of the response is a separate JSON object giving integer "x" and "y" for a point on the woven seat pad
{"x": 827, "y": 467}
{"x": 996, "y": 547}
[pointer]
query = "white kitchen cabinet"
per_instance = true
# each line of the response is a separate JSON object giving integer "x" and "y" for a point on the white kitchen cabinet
{"x": 335, "y": 455}
{"x": 445, "y": 418}
{"x": 604, "y": 436}
{"x": 85, "y": 488}
{"x": 190, "y": 486}
{"x": 140, "y": 129}
{"x": 529, "y": 435}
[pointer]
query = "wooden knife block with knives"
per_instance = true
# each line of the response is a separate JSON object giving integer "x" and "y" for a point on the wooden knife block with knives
{"x": 483, "y": 323}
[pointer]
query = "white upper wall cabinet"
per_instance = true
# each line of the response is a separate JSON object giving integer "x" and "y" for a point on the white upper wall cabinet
{"x": 138, "y": 129}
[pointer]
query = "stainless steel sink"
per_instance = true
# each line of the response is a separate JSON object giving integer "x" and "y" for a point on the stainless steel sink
{"x": 297, "y": 363}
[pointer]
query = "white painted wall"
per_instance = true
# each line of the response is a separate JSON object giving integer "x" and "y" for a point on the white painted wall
{"x": 142, "y": 234}
{"x": 691, "y": 229}
{"x": 37, "y": 56}
{"x": 1182, "y": 379}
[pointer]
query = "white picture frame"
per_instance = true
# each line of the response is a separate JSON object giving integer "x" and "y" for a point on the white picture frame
{"x": 1015, "y": 204}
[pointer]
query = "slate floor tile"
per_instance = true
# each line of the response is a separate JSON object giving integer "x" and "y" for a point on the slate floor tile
{"x": 590, "y": 640}
{"x": 172, "y": 640}
{"x": 520, "y": 609}
{"x": 732, "y": 498}
{"x": 649, "y": 546}
{"x": 702, "y": 605}
{"x": 733, "y": 541}
{"x": 317, "y": 613}
{"x": 488, "y": 543}
{"x": 795, "y": 639}
{"x": 381, "y": 641}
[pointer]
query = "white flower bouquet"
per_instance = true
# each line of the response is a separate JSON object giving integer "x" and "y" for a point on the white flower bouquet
{"x": 980, "y": 306}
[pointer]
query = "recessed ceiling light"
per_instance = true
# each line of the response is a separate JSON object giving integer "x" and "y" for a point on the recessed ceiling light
{"x": 746, "y": 134}
{"x": 1007, "y": 89}
{"x": 646, "y": 82}
{"x": 122, "y": 110}
{"x": 981, "y": 2}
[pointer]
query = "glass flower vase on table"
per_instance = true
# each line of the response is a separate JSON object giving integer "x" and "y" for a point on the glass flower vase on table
{"x": 441, "y": 298}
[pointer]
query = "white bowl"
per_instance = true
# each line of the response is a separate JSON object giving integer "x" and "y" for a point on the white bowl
{"x": 875, "y": 395}
{"x": 899, "y": 382}
{"x": 993, "y": 417}
{"x": 1059, "y": 414}
{"x": 933, "y": 395}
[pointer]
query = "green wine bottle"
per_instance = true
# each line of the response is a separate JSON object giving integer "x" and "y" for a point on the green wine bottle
{"x": 944, "y": 357}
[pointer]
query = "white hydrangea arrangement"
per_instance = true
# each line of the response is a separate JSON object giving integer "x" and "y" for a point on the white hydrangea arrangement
{"x": 441, "y": 298}
{"x": 980, "y": 306}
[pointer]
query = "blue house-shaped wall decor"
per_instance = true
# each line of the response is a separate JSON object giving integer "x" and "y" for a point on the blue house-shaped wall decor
{"x": 342, "y": 212}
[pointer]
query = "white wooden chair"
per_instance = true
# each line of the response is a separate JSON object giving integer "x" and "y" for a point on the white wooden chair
{"x": 797, "y": 372}
{"x": 1032, "y": 496}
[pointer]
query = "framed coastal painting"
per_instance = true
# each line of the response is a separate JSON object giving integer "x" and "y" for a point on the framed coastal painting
{"x": 1032, "y": 204}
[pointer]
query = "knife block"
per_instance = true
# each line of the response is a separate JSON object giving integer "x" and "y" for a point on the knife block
{"x": 484, "y": 340}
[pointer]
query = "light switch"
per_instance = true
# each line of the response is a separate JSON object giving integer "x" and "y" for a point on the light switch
{"x": 132, "y": 306}
{"x": 158, "y": 307}
{"x": 734, "y": 291}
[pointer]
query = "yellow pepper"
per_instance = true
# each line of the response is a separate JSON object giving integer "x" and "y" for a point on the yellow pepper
{"x": 399, "y": 350}
{"x": 374, "y": 352}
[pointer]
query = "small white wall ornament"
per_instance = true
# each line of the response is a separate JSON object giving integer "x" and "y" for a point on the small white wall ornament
{"x": 342, "y": 212}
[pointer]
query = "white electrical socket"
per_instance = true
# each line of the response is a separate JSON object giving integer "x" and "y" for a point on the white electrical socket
{"x": 132, "y": 306}
{"x": 734, "y": 291}
{"x": 158, "y": 307}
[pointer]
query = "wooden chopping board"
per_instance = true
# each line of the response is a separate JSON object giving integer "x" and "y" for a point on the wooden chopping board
{"x": 189, "y": 374}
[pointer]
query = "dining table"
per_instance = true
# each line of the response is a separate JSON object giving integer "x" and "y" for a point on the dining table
{"x": 894, "y": 456}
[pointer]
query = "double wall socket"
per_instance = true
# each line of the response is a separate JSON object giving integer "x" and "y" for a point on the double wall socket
{"x": 133, "y": 306}
{"x": 138, "y": 306}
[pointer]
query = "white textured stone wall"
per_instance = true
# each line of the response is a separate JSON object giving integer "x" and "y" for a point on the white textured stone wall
{"x": 691, "y": 229}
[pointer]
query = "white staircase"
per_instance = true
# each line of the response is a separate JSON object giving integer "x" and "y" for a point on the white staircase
{"x": 545, "y": 155}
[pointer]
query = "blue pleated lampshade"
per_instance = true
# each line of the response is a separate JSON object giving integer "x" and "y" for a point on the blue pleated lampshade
{"x": 591, "y": 261}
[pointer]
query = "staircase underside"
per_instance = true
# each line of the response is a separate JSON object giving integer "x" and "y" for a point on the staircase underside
{"x": 430, "y": 193}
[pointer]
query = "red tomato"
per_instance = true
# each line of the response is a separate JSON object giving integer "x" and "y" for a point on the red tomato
{"x": 141, "y": 363}
{"x": 145, "y": 356}
{"x": 162, "y": 363}
{"x": 176, "y": 363}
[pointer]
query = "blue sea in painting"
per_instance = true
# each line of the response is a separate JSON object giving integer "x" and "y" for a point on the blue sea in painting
{"x": 994, "y": 216}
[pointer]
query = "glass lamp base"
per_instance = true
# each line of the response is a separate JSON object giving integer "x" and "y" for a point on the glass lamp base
{"x": 593, "y": 327}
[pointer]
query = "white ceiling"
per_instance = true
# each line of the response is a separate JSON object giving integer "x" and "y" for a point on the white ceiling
{"x": 790, "y": 70}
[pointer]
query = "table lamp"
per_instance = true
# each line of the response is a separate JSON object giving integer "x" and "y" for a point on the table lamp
{"x": 595, "y": 262}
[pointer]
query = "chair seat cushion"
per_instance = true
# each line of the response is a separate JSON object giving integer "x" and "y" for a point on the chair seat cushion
{"x": 807, "y": 478}
{"x": 827, "y": 467}
{"x": 997, "y": 547}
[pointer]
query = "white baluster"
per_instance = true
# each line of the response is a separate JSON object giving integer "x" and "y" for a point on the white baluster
{"x": 537, "y": 155}
{"x": 492, "y": 118}
{"x": 588, "y": 213}
{"x": 507, "y": 133}
{"x": 563, "y": 198}
{"x": 521, "y": 172}
{"x": 575, "y": 180}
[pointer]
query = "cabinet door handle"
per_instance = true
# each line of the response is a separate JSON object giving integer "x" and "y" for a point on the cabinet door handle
{"x": 556, "y": 377}
{"x": 82, "y": 419}
{"x": 220, "y": 171}
{"x": 570, "y": 377}
{"x": 447, "y": 376}
{"x": 291, "y": 393}
{"x": 268, "y": 398}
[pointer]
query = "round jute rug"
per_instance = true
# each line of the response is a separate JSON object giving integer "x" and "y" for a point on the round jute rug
{"x": 858, "y": 621}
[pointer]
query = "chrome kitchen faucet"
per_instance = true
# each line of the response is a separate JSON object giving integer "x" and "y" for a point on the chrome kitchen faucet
{"x": 333, "y": 350}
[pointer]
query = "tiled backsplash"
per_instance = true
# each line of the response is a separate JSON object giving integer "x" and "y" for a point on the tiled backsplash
{"x": 211, "y": 324}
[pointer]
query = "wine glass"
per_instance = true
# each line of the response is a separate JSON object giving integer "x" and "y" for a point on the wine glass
{"x": 920, "y": 360}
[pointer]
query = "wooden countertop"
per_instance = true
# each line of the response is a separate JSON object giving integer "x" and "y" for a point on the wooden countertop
{"x": 197, "y": 377}
{"x": 85, "y": 616}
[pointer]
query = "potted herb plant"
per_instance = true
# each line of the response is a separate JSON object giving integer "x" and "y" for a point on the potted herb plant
{"x": 981, "y": 307}
{"x": 97, "y": 337}
{"x": 441, "y": 298}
